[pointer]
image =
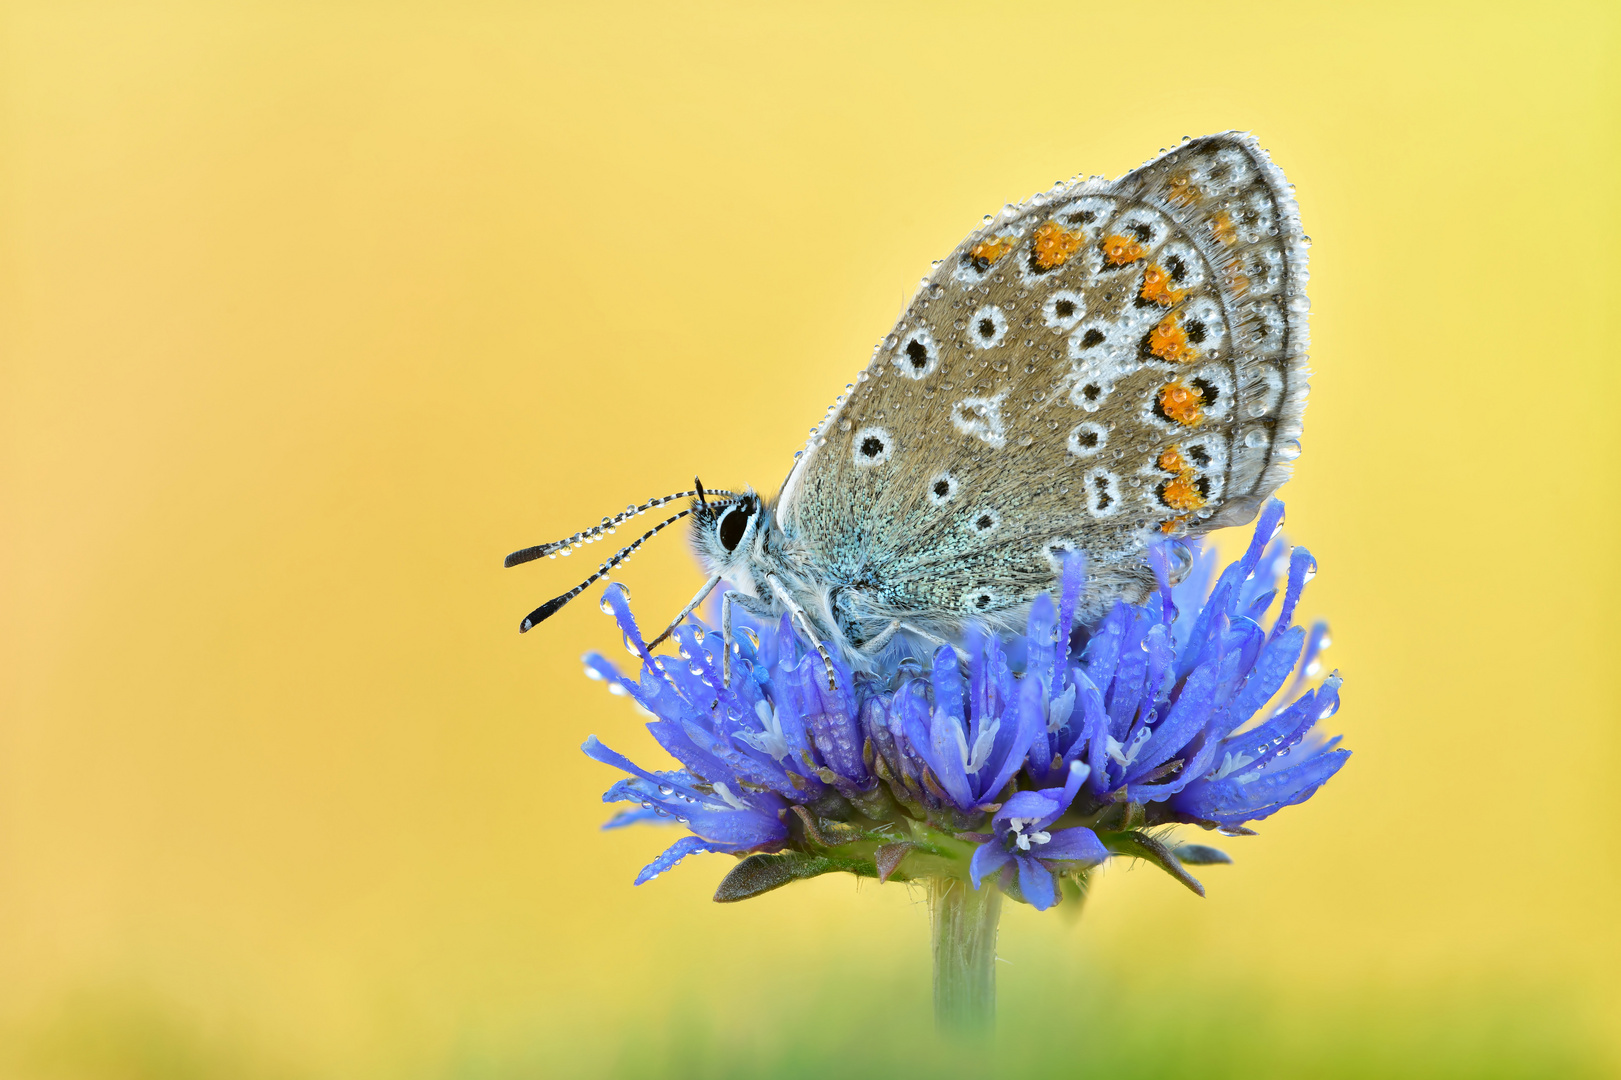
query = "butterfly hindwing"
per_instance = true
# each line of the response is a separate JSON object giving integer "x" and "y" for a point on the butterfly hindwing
{"x": 1105, "y": 362}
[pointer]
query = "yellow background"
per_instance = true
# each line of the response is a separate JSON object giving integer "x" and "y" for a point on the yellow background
{"x": 312, "y": 312}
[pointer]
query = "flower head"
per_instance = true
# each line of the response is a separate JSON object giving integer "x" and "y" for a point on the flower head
{"x": 1031, "y": 760}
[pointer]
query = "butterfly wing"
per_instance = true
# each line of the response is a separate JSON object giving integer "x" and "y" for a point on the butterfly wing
{"x": 1103, "y": 363}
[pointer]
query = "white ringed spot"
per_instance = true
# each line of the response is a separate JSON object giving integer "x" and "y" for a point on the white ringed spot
{"x": 1102, "y": 493}
{"x": 1086, "y": 439}
{"x": 1057, "y": 549}
{"x": 1090, "y": 393}
{"x": 981, "y": 417}
{"x": 916, "y": 355}
{"x": 942, "y": 488}
{"x": 872, "y": 446}
{"x": 979, "y": 599}
{"x": 988, "y": 327}
{"x": 1063, "y": 310}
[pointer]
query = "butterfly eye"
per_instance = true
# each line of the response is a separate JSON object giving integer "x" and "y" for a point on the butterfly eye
{"x": 733, "y": 524}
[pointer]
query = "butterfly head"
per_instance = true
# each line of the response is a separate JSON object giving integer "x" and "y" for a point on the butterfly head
{"x": 724, "y": 531}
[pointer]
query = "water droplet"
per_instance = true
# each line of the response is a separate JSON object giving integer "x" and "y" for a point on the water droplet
{"x": 1255, "y": 437}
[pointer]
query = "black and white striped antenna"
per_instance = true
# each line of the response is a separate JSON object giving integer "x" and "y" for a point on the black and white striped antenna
{"x": 607, "y": 527}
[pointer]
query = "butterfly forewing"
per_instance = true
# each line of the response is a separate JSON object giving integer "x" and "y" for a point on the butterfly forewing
{"x": 1103, "y": 363}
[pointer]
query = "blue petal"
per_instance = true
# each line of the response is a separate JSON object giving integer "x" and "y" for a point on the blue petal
{"x": 1277, "y": 660}
{"x": 1186, "y": 719}
{"x": 1103, "y": 650}
{"x": 594, "y": 750}
{"x": 687, "y": 845}
{"x": 744, "y": 766}
{"x": 635, "y": 816}
{"x": 1234, "y": 801}
{"x": 831, "y": 723}
{"x": 988, "y": 858}
{"x": 618, "y": 601}
{"x": 1041, "y": 632}
{"x": 947, "y": 681}
{"x": 743, "y": 828}
{"x": 1071, "y": 585}
{"x": 944, "y": 755}
{"x": 1301, "y": 567}
{"x": 1125, "y": 695}
{"x": 1036, "y": 883}
{"x": 1266, "y": 527}
{"x": 1028, "y": 719}
{"x": 672, "y": 737}
{"x": 1073, "y": 779}
{"x": 1074, "y": 845}
{"x": 1029, "y": 805}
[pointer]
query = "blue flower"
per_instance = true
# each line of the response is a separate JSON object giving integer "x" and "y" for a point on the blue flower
{"x": 1025, "y": 758}
{"x": 1026, "y": 853}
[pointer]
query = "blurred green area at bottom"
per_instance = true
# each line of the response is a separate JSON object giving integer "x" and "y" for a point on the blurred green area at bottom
{"x": 1056, "y": 1023}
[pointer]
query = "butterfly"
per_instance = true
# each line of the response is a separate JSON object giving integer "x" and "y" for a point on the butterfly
{"x": 1104, "y": 365}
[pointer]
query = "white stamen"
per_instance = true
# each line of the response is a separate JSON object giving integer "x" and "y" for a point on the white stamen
{"x": 1059, "y": 710}
{"x": 771, "y": 740}
{"x": 1231, "y": 763}
{"x": 983, "y": 746}
{"x": 1124, "y": 755}
{"x": 1021, "y": 839}
{"x": 731, "y": 800}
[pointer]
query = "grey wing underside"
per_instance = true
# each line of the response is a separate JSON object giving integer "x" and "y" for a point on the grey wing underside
{"x": 1103, "y": 363}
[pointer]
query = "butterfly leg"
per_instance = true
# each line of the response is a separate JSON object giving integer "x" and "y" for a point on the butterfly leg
{"x": 675, "y": 622}
{"x": 962, "y": 654}
{"x": 805, "y": 626}
{"x": 726, "y": 639}
{"x": 884, "y": 637}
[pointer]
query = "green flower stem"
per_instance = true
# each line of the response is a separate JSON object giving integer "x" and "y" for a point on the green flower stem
{"x": 963, "y": 932}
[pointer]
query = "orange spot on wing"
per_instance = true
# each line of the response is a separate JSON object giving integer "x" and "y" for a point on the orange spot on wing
{"x": 1168, "y": 341}
{"x": 1181, "y": 403}
{"x": 1053, "y": 245}
{"x": 1157, "y": 286}
{"x": 987, "y": 252}
{"x": 1171, "y": 460}
{"x": 1171, "y": 525}
{"x": 1182, "y": 493}
{"x": 1222, "y": 226}
{"x": 1181, "y": 191}
{"x": 1120, "y": 250}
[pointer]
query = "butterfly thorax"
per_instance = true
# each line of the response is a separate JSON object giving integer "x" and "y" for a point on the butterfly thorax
{"x": 840, "y": 592}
